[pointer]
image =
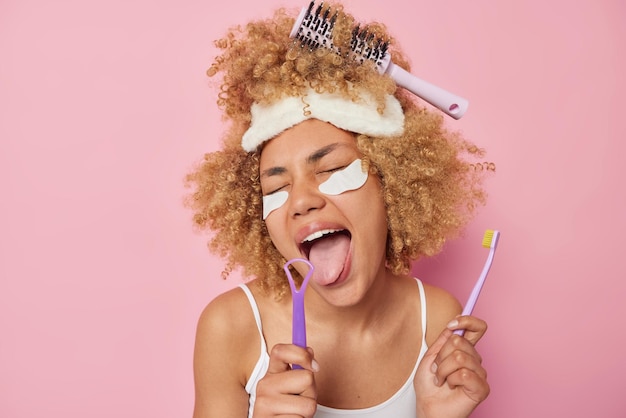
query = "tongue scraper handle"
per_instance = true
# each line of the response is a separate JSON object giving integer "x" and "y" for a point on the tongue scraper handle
{"x": 297, "y": 295}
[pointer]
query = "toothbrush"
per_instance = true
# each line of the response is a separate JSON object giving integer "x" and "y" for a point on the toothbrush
{"x": 490, "y": 240}
{"x": 298, "y": 330}
{"x": 314, "y": 30}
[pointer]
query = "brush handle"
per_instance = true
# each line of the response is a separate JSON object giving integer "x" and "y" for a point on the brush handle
{"x": 473, "y": 298}
{"x": 449, "y": 103}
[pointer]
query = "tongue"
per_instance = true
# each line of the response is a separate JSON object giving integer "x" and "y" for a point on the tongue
{"x": 328, "y": 256}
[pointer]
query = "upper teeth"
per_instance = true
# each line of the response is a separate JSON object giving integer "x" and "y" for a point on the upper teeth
{"x": 319, "y": 234}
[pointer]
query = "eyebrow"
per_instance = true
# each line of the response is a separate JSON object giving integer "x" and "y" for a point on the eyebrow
{"x": 321, "y": 153}
{"x": 274, "y": 171}
{"x": 311, "y": 159}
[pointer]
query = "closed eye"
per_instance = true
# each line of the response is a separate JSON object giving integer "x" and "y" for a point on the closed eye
{"x": 275, "y": 190}
{"x": 332, "y": 170}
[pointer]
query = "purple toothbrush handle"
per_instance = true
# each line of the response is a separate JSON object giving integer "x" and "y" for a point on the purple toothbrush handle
{"x": 473, "y": 298}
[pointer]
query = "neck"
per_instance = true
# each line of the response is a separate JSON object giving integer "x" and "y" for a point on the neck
{"x": 360, "y": 306}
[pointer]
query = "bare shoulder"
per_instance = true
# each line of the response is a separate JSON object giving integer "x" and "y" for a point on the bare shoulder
{"x": 226, "y": 314}
{"x": 226, "y": 349}
{"x": 442, "y": 307}
{"x": 227, "y": 326}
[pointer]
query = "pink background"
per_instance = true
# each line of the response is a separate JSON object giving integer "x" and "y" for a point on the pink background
{"x": 104, "y": 106}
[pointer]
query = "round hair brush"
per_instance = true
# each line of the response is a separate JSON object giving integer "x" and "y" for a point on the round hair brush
{"x": 314, "y": 30}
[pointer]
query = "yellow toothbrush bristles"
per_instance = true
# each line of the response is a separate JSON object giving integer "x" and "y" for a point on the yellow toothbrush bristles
{"x": 488, "y": 238}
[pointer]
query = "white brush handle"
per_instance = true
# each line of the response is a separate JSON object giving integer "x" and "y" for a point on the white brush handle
{"x": 449, "y": 103}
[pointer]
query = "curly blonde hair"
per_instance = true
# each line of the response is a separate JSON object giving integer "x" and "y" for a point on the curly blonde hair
{"x": 430, "y": 190}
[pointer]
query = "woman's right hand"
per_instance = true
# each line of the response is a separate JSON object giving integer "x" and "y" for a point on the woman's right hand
{"x": 285, "y": 391}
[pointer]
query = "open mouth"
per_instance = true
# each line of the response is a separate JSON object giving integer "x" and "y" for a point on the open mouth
{"x": 328, "y": 251}
{"x": 315, "y": 238}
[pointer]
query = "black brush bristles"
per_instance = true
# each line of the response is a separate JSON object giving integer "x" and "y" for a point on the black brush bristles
{"x": 367, "y": 46}
{"x": 313, "y": 29}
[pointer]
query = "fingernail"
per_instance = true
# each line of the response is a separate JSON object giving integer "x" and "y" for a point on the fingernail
{"x": 315, "y": 366}
{"x": 433, "y": 368}
{"x": 453, "y": 324}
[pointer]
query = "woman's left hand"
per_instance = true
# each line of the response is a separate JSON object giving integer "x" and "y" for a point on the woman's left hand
{"x": 450, "y": 381}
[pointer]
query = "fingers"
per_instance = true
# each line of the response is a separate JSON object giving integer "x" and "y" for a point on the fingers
{"x": 283, "y": 356}
{"x": 283, "y": 405}
{"x": 457, "y": 362}
{"x": 472, "y": 382}
{"x": 457, "y": 354}
{"x": 284, "y": 391}
{"x": 474, "y": 327}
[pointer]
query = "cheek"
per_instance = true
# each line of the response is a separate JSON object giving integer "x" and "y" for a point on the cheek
{"x": 372, "y": 206}
{"x": 276, "y": 233}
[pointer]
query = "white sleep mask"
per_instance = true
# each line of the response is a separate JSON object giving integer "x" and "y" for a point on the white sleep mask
{"x": 359, "y": 116}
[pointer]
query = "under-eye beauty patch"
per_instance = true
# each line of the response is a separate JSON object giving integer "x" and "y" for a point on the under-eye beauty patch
{"x": 350, "y": 178}
{"x": 273, "y": 201}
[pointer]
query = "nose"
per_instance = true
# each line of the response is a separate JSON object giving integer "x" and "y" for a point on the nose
{"x": 304, "y": 198}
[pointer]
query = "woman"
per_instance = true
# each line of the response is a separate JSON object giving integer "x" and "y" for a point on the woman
{"x": 325, "y": 159}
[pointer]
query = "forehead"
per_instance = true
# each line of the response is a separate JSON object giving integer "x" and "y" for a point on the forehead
{"x": 303, "y": 140}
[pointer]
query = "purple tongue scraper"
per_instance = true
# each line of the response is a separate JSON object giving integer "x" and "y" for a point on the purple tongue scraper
{"x": 297, "y": 295}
